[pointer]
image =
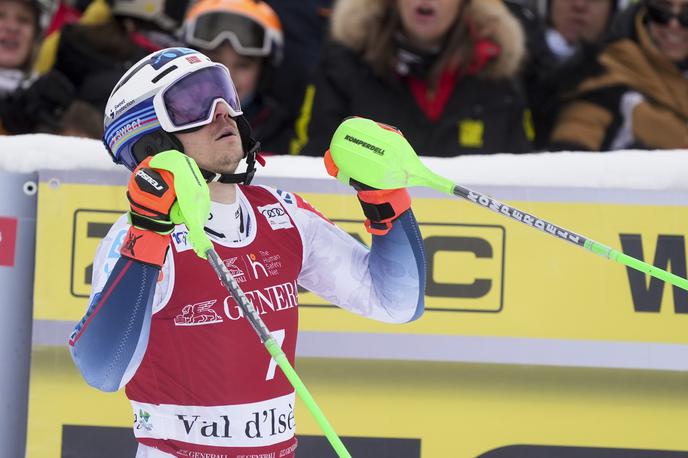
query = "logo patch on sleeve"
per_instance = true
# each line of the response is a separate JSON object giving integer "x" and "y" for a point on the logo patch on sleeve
{"x": 276, "y": 216}
{"x": 180, "y": 239}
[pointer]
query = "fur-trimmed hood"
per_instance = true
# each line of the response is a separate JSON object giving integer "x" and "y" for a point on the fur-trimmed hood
{"x": 352, "y": 19}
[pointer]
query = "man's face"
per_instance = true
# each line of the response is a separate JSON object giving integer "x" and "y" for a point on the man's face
{"x": 216, "y": 146}
{"x": 17, "y": 32}
{"x": 666, "y": 30}
{"x": 580, "y": 20}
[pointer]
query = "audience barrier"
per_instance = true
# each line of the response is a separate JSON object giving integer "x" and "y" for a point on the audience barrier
{"x": 528, "y": 347}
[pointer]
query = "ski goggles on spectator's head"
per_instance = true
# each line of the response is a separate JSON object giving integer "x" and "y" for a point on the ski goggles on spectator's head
{"x": 247, "y": 37}
{"x": 190, "y": 101}
{"x": 662, "y": 14}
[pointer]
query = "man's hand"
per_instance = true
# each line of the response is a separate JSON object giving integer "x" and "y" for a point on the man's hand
{"x": 151, "y": 195}
{"x": 381, "y": 206}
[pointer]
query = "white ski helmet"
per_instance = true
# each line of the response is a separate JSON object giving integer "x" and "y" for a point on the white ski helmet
{"x": 166, "y": 14}
{"x": 158, "y": 96}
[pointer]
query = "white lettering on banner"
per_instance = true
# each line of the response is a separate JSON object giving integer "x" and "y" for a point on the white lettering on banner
{"x": 276, "y": 216}
{"x": 274, "y": 298}
{"x": 255, "y": 424}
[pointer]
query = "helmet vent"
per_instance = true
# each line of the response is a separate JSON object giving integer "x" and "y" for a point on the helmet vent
{"x": 164, "y": 73}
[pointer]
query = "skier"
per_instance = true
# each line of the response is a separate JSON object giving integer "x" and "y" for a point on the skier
{"x": 161, "y": 324}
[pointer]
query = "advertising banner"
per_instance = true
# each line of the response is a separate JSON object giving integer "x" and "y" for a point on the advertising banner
{"x": 591, "y": 333}
{"x": 488, "y": 276}
{"x": 17, "y": 230}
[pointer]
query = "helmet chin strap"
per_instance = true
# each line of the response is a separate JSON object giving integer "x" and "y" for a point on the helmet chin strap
{"x": 243, "y": 178}
{"x": 250, "y": 146}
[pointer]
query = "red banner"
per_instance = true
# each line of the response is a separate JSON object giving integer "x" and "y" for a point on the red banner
{"x": 8, "y": 239}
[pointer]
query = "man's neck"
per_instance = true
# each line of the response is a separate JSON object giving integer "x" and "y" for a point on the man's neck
{"x": 223, "y": 193}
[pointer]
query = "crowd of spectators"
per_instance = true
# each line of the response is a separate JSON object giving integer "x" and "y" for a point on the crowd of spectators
{"x": 456, "y": 76}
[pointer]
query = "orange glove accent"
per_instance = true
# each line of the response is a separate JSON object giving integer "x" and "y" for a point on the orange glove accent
{"x": 151, "y": 195}
{"x": 382, "y": 206}
{"x": 145, "y": 246}
{"x": 151, "y": 191}
{"x": 330, "y": 166}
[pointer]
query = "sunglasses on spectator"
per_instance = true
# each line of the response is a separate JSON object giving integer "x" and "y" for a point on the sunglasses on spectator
{"x": 663, "y": 14}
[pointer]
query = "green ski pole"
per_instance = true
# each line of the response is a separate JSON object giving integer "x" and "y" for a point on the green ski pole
{"x": 379, "y": 156}
{"x": 192, "y": 208}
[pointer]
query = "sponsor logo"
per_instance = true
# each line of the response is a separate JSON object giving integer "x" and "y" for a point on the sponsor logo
{"x": 142, "y": 420}
{"x": 669, "y": 255}
{"x": 150, "y": 180}
{"x": 523, "y": 217}
{"x": 264, "y": 264}
{"x": 180, "y": 238}
{"x": 119, "y": 107}
{"x": 286, "y": 196}
{"x": 259, "y": 424}
{"x": 8, "y": 241}
{"x": 198, "y": 314}
{"x": 129, "y": 245}
{"x": 194, "y": 454}
{"x": 465, "y": 266}
{"x": 276, "y": 216}
{"x": 125, "y": 129}
{"x": 375, "y": 149}
{"x": 288, "y": 450}
{"x": 276, "y": 298}
{"x": 236, "y": 272}
{"x": 255, "y": 265}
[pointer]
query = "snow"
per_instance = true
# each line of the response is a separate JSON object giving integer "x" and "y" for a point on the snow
{"x": 651, "y": 170}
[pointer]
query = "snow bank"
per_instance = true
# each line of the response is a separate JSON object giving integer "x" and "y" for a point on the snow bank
{"x": 652, "y": 170}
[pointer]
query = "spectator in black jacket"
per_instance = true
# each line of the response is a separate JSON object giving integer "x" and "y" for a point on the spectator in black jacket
{"x": 445, "y": 73}
{"x": 90, "y": 58}
{"x": 25, "y": 101}
{"x": 304, "y": 23}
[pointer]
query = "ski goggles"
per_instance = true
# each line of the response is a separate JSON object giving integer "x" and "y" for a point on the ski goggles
{"x": 662, "y": 15}
{"x": 190, "y": 101}
{"x": 209, "y": 30}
